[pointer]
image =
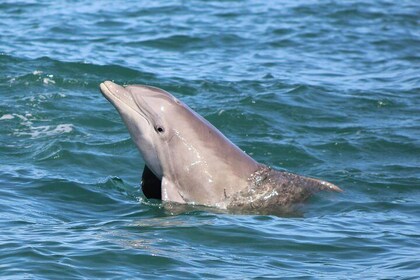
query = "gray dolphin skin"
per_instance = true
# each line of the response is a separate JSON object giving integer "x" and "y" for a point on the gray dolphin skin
{"x": 189, "y": 161}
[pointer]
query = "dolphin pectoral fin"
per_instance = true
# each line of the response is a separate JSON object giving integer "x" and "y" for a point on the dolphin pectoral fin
{"x": 170, "y": 192}
{"x": 150, "y": 184}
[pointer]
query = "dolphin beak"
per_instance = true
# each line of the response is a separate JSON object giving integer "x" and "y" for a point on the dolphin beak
{"x": 117, "y": 95}
{"x": 111, "y": 90}
{"x": 121, "y": 98}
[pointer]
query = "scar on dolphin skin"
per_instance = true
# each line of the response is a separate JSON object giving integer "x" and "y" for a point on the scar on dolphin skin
{"x": 190, "y": 161}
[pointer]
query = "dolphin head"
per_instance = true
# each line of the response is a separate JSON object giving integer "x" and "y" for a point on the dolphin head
{"x": 143, "y": 110}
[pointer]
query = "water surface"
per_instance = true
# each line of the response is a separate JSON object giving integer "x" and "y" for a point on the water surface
{"x": 328, "y": 89}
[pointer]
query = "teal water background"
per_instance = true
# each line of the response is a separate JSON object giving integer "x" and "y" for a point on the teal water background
{"x": 329, "y": 89}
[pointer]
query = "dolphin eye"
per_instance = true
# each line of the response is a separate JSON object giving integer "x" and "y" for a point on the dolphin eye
{"x": 160, "y": 129}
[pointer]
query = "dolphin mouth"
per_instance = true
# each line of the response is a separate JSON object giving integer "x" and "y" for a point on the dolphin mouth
{"x": 121, "y": 98}
{"x": 104, "y": 88}
{"x": 116, "y": 94}
{"x": 110, "y": 91}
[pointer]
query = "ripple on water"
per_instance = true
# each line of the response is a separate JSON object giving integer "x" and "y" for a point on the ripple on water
{"x": 328, "y": 90}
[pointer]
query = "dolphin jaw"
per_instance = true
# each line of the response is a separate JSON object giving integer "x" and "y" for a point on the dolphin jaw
{"x": 114, "y": 92}
{"x": 118, "y": 96}
{"x": 106, "y": 88}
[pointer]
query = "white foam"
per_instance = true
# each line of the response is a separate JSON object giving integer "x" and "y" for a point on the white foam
{"x": 7, "y": 117}
{"x": 48, "y": 80}
{"x": 64, "y": 128}
{"x": 46, "y": 130}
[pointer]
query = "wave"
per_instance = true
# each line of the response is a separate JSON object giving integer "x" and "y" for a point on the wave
{"x": 44, "y": 71}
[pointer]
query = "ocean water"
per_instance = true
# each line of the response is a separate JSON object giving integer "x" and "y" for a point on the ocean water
{"x": 328, "y": 89}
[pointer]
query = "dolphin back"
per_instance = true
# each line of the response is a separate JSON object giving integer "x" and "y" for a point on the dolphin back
{"x": 270, "y": 188}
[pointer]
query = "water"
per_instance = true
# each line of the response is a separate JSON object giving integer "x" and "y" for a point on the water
{"x": 322, "y": 88}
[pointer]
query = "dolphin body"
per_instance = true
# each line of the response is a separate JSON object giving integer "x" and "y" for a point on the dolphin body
{"x": 190, "y": 161}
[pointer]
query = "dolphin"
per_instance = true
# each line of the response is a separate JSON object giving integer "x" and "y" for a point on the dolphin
{"x": 188, "y": 160}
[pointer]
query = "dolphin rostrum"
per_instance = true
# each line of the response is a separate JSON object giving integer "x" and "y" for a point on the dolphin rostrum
{"x": 189, "y": 161}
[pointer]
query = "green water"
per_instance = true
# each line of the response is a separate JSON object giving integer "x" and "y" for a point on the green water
{"x": 328, "y": 89}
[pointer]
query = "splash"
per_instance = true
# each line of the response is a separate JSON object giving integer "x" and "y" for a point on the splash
{"x": 7, "y": 117}
{"x": 45, "y": 130}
